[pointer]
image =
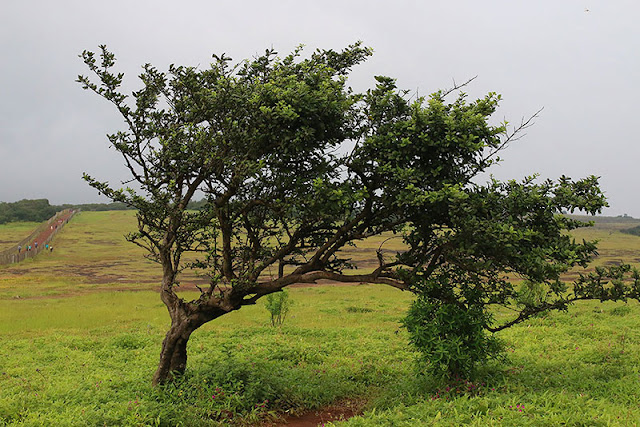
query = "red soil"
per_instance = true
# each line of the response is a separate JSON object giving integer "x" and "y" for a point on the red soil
{"x": 338, "y": 412}
{"x": 59, "y": 222}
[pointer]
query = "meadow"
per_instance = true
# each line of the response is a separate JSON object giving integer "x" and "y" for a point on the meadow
{"x": 12, "y": 233}
{"x": 81, "y": 330}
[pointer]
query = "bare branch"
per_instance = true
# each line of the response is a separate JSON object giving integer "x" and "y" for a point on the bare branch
{"x": 514, "y": 135}
{"x": 456, "y": 86}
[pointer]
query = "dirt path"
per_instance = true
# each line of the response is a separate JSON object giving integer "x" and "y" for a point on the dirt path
{"x": 35, "y": 242}
{"x": 58, "y": 223}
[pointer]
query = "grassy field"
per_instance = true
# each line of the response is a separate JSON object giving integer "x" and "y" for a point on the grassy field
{"x": 12, "y": 233}
{"x": 81, "y": 329}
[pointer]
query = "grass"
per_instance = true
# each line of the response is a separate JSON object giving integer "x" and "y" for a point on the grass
{"x": 579, "y": 368}
{"x": 96, "y": 352}
{"x": 13, "y": 232}
{"x": 81, "y": 329}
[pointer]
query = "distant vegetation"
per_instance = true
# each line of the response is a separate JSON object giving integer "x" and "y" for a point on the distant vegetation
{"x": 26, "y": 210}
{"x": 633, "y": 230}
{"x": 617, "y": 219}
{"x": 40, "y": 210}
{"x": 115, "y": 206}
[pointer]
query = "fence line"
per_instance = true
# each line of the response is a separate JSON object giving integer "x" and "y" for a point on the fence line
{"x": 19, "y": 251}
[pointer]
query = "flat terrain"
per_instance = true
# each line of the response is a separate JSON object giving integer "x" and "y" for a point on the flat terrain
{"x": 81, "y": 329}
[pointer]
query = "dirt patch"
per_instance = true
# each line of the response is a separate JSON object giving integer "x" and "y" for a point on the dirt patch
{"x": 48, "y": 231}
{"x": 121, "y": 286}
{"x": 339, "y": 412}
{"x": 351, "y": 249}
{"x": 81, "y": 292}
{"x": 100, "y": 273}
{"x": 102, "y": 242}
{"x": 325, "y": 283}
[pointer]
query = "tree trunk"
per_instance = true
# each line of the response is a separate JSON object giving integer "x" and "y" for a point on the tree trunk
{"x": 184, "y": 320}
{"x": 173, "y": 357}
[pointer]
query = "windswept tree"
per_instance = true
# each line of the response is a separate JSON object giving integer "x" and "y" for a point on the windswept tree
{"x": 293, "y": 167}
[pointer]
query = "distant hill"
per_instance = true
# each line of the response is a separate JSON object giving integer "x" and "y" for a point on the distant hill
{"x": 619, "y": 218}
{"x": 604, "y": 219}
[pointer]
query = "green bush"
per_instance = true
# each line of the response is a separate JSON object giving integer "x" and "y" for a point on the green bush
{"x": 450, "y": 334}
{"x": 278, "y": 305}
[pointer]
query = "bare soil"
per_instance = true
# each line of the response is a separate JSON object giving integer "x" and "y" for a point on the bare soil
{"x": 44, "y": 235}
{"x": 338, "y": 412}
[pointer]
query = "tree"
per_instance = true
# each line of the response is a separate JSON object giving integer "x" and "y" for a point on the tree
{"x": 26, "y": 210}
{"x": 294, "y": 166}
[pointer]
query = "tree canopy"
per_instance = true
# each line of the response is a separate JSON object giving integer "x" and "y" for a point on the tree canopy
{"x": 294, "y": 166}
{"x": 26, "y": 210}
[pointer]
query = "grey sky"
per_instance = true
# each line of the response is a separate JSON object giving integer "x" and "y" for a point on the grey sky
{"x": 577, "y": 59}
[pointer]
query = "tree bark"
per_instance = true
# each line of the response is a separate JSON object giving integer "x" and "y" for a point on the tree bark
{"x": 173, "y": 357}
{"x": 185, "y": 318}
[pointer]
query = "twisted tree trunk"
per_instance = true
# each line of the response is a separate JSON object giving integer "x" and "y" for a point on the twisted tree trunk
{"x": 173, "y": 357}
{"x": 186, "y": 317}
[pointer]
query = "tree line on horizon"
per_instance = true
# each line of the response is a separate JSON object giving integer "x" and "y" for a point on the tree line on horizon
{"x": 38, "y": 210}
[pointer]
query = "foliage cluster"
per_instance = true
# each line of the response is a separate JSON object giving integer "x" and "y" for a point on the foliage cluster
{"x": 26, "y": 210}
{"x": 39, "y": 210}
{"x": 452, "y": 339}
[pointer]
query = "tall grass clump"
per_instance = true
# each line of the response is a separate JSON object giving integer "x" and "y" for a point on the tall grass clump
{"x": 278, "y": 305}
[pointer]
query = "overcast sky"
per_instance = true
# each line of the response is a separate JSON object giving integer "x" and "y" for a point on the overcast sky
{"x": 579, "y": 59}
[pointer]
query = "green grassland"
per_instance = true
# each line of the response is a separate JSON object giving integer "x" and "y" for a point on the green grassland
{"x": 12, "y": 233}
{"x": 81, "y": 329}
